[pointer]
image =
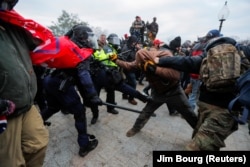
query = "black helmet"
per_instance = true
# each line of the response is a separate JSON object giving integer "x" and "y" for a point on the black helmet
{"x": 7, "y": 4}
{"x": 113, "y": 39}
{"x": 83, "y": 36}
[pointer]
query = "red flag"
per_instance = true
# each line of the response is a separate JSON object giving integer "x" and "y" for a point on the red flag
{"x": 37, "y": 30}
{"x": 54, "y": 52}
{"x": 60, "y": 52}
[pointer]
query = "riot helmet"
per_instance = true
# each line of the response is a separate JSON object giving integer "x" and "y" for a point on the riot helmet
{"x": 113, "y": 39}
{"x": 83, "y": 36}
{"x": 7, "y": 4}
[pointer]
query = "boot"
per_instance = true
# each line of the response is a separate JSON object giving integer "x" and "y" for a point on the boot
{"x": 92, "y": 144}
{"x": 139, "y": 124}
{"x": 132, "y": 101}
{"x": 192, "y": 146}
{"x": 132, "y": 132}
{"x": 112, "y": 111}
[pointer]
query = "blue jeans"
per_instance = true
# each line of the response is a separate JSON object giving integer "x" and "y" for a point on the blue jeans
{"x": 194, "y": 95}
{"x": 130, "y": 80}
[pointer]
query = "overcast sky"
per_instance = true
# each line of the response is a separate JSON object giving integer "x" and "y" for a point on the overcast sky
{"x": 187, "y": 18}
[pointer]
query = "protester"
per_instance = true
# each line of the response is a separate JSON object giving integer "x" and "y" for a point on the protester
{"x": 165, "y": 88}
{"x": 24, "y": 141}
{"x": 137, "y": 28}
{"x": 194, "y": 81}
{"x": 215, "y": 122}
{"x": 128, "y": 52}
{"x": 153, "y": 29}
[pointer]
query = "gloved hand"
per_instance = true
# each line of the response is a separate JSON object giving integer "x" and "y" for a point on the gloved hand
{"x": 3, "y": 123}
{"x": 7, "y": 107}
{"x": 149, "y": 67}
{"x": 96, "y": 100}
{"x": 188, "y": 89}
{"x": 113, "y": 57}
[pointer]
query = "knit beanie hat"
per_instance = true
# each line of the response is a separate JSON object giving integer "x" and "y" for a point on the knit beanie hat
{"x": 175, "y": 43}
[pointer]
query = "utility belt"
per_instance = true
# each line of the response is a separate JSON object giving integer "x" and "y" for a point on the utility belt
{"x": 66, "y": 79}
{"x": 95, "y": 67}
{"x": 115, "y": 76}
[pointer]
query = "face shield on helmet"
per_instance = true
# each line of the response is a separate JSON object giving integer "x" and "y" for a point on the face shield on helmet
{"x": 113, "y": 39}
{"x": 7, "y": 4}
{"x": 92, "y": 40}
{"x": 84, "y": 37}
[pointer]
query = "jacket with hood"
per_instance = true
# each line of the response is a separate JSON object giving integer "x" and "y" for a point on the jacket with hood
{"x": 17, "y": 77}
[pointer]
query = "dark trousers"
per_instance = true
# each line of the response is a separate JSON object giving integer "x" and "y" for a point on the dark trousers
{"x": 69, "y": 100}
{"x": 102, "y": 80}
{"x": 175, "y": 98}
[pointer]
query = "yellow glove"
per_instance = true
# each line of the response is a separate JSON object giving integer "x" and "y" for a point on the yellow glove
{"x": 149, "y": 67}
{"x": 113, "y": 57}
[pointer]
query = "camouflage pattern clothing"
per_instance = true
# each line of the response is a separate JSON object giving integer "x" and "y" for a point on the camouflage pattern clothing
{"x": 215, "y": 124}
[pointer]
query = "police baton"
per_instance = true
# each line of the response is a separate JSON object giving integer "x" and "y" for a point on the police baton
{"x": 125, "y": 108}
{"x": 119, "y": 54}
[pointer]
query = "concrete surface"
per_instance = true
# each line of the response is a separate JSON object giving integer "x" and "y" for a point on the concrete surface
{"x": 162, "y": 132}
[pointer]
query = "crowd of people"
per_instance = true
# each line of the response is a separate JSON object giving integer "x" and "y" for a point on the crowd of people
{"x": 171, "y": 71}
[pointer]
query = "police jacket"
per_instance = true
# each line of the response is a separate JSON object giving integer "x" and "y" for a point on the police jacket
{"x": 102, "y": 57}
{"x": 17, "y": 77}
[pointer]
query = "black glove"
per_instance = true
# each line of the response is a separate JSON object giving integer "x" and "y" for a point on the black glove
{"x": 96, "y": 100}
{"x": 7, "y": 107}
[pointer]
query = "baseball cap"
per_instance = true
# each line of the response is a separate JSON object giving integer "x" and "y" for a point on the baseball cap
{"x": 157, "y": 42}
{"x": 213, "y": 33}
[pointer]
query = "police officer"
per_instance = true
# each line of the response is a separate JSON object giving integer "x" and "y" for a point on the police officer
{"x": 106, "y": 71}
{"x": 215, "y": 122}
{"x": 23, "y": 138}
{"x": 61, "y": 92}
